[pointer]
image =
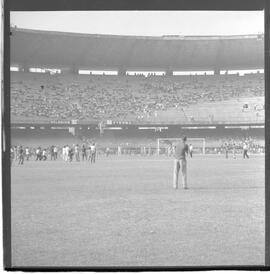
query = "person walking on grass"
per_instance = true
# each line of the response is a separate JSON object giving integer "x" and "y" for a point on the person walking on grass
{"x": 245, "y": 151}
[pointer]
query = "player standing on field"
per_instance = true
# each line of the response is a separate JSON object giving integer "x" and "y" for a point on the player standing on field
{"x": 44, "y": 154}
{"x": 38, "y": 154}
{"x": 245, "y": 150}
{"x": 71, "y": 153}
{"x": 55, "y": 151}
{"x": 180, "y": 162}
{"x": 93, "y": 153}
{"x": 27, "y": 153}
{"x": 234, "y": 150}
{"x": 107, "y": 152}
{"x": 16, "y": 151}
{"x": 52, "y": 152}
{"x": 77, "y": 153}
{"x": 67, "y": 154}
{"x": 84, "y": 155}
{"x": 226, "y": 150}
{"x": 21, "y": 155}
{"x": 12, "y": 155}
{"x": 190, "y": 150}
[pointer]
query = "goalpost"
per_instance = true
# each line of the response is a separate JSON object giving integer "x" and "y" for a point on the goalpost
{"x": 197, "y": 143}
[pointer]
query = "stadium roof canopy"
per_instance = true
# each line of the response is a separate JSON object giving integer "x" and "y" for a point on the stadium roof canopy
{"x": 48, "y": 49}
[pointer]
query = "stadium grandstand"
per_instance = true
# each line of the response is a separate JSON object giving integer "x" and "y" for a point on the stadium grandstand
{"x": 135, "y": 89}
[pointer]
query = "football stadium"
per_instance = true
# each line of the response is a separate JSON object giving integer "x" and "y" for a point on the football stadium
{"x": 129, "y": 98}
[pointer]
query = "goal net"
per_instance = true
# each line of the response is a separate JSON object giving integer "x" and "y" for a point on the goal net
{"x": 165, "y": 145}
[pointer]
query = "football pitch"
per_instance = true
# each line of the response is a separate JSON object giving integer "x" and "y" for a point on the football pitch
{"x": 123, "y": 211}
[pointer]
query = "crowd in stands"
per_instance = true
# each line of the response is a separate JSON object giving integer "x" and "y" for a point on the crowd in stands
{"x": 132, "y": 98}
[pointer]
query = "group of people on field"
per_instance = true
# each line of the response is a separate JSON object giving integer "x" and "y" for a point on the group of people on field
{"x": 78, "y": 153}
{"x": 17, "y": 153}
{"x": 232, "y": 147}
{"x": 86, "y": 152}
{"x": 180, "y": 151}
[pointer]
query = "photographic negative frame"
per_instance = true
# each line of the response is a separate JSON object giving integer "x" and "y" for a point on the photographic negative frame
{"x": 30, "y": 5}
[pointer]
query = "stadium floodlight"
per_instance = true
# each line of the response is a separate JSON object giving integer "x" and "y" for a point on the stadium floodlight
{"x": 163, "y": 144}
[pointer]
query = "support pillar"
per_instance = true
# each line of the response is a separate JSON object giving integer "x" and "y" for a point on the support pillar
{"x": 169, "y": 72}
{"x": 122, "y": 72}
{"x": 25, "y": 68}
{"x": 216, "y": 71}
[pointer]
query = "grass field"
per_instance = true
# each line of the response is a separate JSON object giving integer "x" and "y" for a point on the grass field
{"x": 123, "y": 211}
